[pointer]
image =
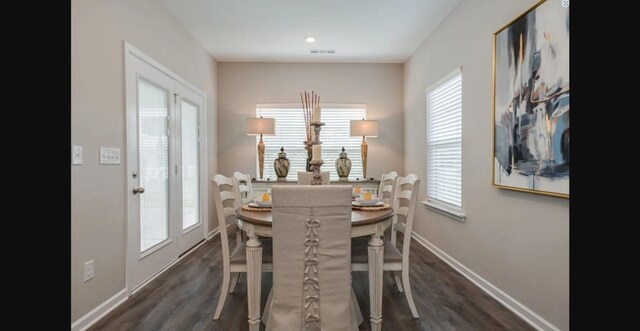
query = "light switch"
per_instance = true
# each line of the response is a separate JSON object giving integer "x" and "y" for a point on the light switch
{"x": 76, "y": 155}
{"x": 109, "y": 155}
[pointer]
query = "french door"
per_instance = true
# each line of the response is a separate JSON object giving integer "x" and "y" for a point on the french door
{"x": 164, "y": 169}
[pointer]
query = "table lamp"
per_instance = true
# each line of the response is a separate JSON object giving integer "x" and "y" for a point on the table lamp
{"x": 364, "y": 128}
{"x": 261, "y": 126}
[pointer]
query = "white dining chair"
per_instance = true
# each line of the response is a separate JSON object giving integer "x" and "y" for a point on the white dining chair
{"x": 404, "y": 204}
{"x": 244, "y": 188}
{"x": 387, "y": 186}
{"x": 305, "y": 177}
{"x": 311, "y": 259}
{"x": 233, "y": 262}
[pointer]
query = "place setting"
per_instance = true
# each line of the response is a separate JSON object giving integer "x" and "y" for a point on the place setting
{"x": 261, "y": 204}
{"x": 368, "y": 202}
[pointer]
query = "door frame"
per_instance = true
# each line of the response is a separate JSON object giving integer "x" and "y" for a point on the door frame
{"x": 130, "y": 50}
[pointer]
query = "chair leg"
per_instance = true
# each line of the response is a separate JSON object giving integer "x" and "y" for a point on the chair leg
{"x": 234, "y": 281}
{"x": 396, "y": 278}
{"x": 407, "y": 293}
{"x": 223, "y": 295}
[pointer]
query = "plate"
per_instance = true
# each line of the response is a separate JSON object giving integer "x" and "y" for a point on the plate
{"x": 370, "y": 202}
{"x": 358, "y": 204}
{"x": 255, "y": 205}
{"x": 262, "y": 203}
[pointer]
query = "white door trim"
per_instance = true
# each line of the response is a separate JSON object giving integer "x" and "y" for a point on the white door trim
{"x": 130, "y": 49}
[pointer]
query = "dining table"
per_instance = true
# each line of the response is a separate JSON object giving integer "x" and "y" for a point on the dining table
{"x": 372, "y": 223}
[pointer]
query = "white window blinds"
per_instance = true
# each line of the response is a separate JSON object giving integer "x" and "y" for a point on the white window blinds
{"x": 290, "y": 134}
{"x": 444, "y": 140}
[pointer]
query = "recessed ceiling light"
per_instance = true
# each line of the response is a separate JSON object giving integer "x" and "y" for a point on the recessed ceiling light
{"x": 310, "y": 39}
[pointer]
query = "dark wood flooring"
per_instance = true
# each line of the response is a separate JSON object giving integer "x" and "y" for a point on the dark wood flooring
{"x": 185, "y": 297}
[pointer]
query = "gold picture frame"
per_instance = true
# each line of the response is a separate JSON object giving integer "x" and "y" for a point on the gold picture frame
{"x": 530, "y": 101}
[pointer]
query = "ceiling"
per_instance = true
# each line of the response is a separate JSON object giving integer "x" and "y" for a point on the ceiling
{"x": 360, "y": 31}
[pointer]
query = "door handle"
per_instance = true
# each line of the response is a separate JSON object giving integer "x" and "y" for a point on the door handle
{"x": 137, "y": 190}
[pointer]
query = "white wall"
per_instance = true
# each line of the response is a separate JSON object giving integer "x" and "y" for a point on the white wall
{"x": 242, "y": 85}
{"x": 517, "y": 241}
{"x": 98, "y": 119}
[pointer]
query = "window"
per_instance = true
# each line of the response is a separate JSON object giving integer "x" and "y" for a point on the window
{"x": 290, "y": 134}
{"x": 444, "y": 144}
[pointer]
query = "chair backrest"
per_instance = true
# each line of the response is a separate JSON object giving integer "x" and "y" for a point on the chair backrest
{"x": 311, "y": 258}
{"x": 225, "y": 198}
{"x": 387, "y": 186}
{"x": 305, "y": 177}
{"x": 404, "y": 204}
{"x": 244, "y": 188}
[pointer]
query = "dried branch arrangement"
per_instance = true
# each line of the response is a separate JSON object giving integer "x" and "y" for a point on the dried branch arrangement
{"x": 309, "y": 101}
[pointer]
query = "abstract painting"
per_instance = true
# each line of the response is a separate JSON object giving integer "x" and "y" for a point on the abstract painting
{"x": 531, "y": 101}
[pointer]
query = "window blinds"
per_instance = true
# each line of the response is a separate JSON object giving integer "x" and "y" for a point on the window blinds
{"x": 444, "y": 140}
{"x": 290, "y": 134}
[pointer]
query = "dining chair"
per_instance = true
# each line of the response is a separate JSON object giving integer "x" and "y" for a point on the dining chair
{"x": 233, "y": 262}
{"x": 311, "y": 259}
{"x": 305, "y": 177}
{"x": 404, "y": 204}
{"x": 244, "y": 188}
{"x": 387, "y": 186}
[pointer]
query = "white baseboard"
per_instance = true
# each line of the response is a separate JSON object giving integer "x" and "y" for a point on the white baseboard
{"x": 112, "y": 303}
{"x": 97, "y": 313}
{"x": 512, "y": 304}
{"x": 212, "y": 233}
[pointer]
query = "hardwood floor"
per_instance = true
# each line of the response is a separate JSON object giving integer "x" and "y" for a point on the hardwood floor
{"x": 185, "y": 297}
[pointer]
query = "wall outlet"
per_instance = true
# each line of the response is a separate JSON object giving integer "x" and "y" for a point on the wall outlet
{"x": 88, "y": 270}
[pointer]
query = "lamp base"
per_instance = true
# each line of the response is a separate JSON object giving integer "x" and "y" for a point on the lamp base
{"x": 364, "y": 149}
{"x": 261, "y": 156}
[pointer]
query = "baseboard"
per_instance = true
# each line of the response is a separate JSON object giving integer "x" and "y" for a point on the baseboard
{"x": 512, "y": 304}
{"x": 212, "y": 233}
{"x": 97, "y": 313}
{"x": 112, "y": 303}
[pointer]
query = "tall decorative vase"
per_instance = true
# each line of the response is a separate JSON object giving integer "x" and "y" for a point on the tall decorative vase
{"x": 343, "y": 166}
{"x": 281, "y": 165}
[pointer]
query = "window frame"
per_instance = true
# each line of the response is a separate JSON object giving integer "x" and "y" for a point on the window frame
{"x": 439, "y": 206}
{"x": 329, "y": 164}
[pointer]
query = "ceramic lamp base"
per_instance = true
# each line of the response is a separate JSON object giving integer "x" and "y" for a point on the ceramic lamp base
{"x": 363, "y": 152}
{"x": 261, "y": 156}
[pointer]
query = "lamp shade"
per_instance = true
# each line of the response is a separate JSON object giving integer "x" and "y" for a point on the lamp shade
{"x": 265, "y": 126}
{"x": 367, "y": 128}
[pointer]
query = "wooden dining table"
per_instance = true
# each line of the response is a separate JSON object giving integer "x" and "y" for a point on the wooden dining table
{"x": 363, "y": 223}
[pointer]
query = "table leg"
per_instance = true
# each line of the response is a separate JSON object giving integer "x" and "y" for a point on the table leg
{"x": 376, "y": 259}
{"x": 254, "y": 279}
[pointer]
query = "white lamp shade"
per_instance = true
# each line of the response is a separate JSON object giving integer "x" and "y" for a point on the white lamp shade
{"x": 367, "y": 128}
{"x": 265, "y": 126}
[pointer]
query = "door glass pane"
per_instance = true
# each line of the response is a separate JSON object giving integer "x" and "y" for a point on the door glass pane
{"x": 190, "y": 193}
{"x": 154, "y": 164}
